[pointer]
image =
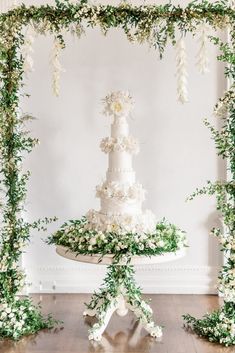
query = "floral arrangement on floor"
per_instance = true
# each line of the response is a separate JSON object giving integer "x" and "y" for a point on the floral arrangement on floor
{"x": 76, "y": 236}
{"x": 21, "y": 317}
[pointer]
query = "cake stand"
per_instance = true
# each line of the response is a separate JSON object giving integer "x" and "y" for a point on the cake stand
{"x": 127, "y": 292}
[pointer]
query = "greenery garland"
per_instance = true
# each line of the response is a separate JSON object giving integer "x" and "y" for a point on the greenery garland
{"x": 74, "y": 236}
{"x": 219, "y": 326}
{"x": 154, "y": 25}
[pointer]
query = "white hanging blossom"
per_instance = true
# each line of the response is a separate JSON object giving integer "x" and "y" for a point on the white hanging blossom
{"x": 202, "y": 55}
{"x": 27, "y": 50}
{"x": 181, "y": 71}
{"x": 56, "y": 66}
{"x": 231, "y": 3}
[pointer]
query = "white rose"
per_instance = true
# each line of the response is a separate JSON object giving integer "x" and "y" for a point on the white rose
{"x": 156, "y": 332}
{"x": 160, "y": 243}
{"x": 92, "y": 241}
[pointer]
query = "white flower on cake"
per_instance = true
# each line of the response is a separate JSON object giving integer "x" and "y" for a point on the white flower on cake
{"x": 121, "y": 223}
{"x": 118, "y": 104}
{"x": 119, "y": 144}
{"x": 121, "y": 192}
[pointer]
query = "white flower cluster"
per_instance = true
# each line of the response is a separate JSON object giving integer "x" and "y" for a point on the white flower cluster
{"x": 226, "y": 324}
{"x": 121, "y": 192}
{"x": 222, "y": 331}
{"x": 118, "y": 104}
{"x": 154, "y": 330}
{"x": 221, "y": 108}
{"x": 202, "y": 56}
{"x": 56, "y": 66}
{"x": 120, "y": 144}
{"x": 121, "y": 224}
{"x": 227, "y": 283}
{"x": 181, "y": 71}
{"x": 227, "y": 275}
{"x": 12, "y": 318}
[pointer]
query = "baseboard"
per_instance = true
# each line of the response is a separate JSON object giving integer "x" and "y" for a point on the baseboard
{"x": 151, "y": 278}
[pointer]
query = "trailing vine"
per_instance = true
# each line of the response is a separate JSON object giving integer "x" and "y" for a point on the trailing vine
{"x": 155, "y": 25}
{"x": 219, "y": 326}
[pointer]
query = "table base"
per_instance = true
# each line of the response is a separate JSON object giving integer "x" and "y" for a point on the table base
{"x": 119, "y": 293}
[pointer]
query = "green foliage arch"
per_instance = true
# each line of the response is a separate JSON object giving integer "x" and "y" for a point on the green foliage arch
{"x": 151, "y": 24}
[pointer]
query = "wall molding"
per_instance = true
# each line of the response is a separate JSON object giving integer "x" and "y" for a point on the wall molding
{"x": 152, "y": 279}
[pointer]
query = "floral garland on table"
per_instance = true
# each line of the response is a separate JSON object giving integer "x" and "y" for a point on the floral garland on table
{"x": 119, "y": 144}
{"x": 76, "y": 236}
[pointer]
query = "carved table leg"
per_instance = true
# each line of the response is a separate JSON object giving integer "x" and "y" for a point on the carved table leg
{"x": 119, "y": 293}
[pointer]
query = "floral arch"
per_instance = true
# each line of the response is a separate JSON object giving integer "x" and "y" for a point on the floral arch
{"x": 156, "y": 25}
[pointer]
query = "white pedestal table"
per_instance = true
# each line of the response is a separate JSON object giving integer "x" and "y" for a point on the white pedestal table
{"x": 125, "y": 294}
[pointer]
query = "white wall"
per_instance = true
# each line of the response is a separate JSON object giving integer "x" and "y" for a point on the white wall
{"x": 177, "y": 154}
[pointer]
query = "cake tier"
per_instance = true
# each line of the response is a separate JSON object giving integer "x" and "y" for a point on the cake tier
{"x": 140, "y": 223}
{"x": 121, "y": 191}
{"x": 119, "y": 128}
{"x": 120, "y": 160}
{"x": 114, "y": 206}
{"x": 120, "y": 175}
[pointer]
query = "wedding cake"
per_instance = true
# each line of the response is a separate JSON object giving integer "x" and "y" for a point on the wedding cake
{"x": 121, "y": 197}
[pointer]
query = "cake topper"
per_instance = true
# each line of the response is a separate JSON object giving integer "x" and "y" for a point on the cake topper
{"x": 118, "y": 104}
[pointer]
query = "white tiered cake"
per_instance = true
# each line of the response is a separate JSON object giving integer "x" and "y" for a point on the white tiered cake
{"x": 120, "y": 196}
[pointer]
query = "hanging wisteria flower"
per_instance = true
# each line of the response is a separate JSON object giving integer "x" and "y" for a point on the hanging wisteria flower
{"x": 202, "y": 56}
{"x": 27, "y": 50}
{"x": 118, "y": 104}
{"x": 181, "y": 71}
{"x": 56, "y": 65}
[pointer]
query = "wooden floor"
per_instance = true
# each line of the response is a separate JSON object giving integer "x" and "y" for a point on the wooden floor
{"x": 123, "y": 334}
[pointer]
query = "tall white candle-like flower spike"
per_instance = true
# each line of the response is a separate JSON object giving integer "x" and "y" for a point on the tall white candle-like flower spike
{"x": 202, "y": 56}
{"x": 181, "y": 71}
{"x": 27, "y": 50}
{"x": 56, "y": 66}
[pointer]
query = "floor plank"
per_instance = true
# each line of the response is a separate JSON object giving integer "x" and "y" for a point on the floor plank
{"x": 118, "y": 338}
